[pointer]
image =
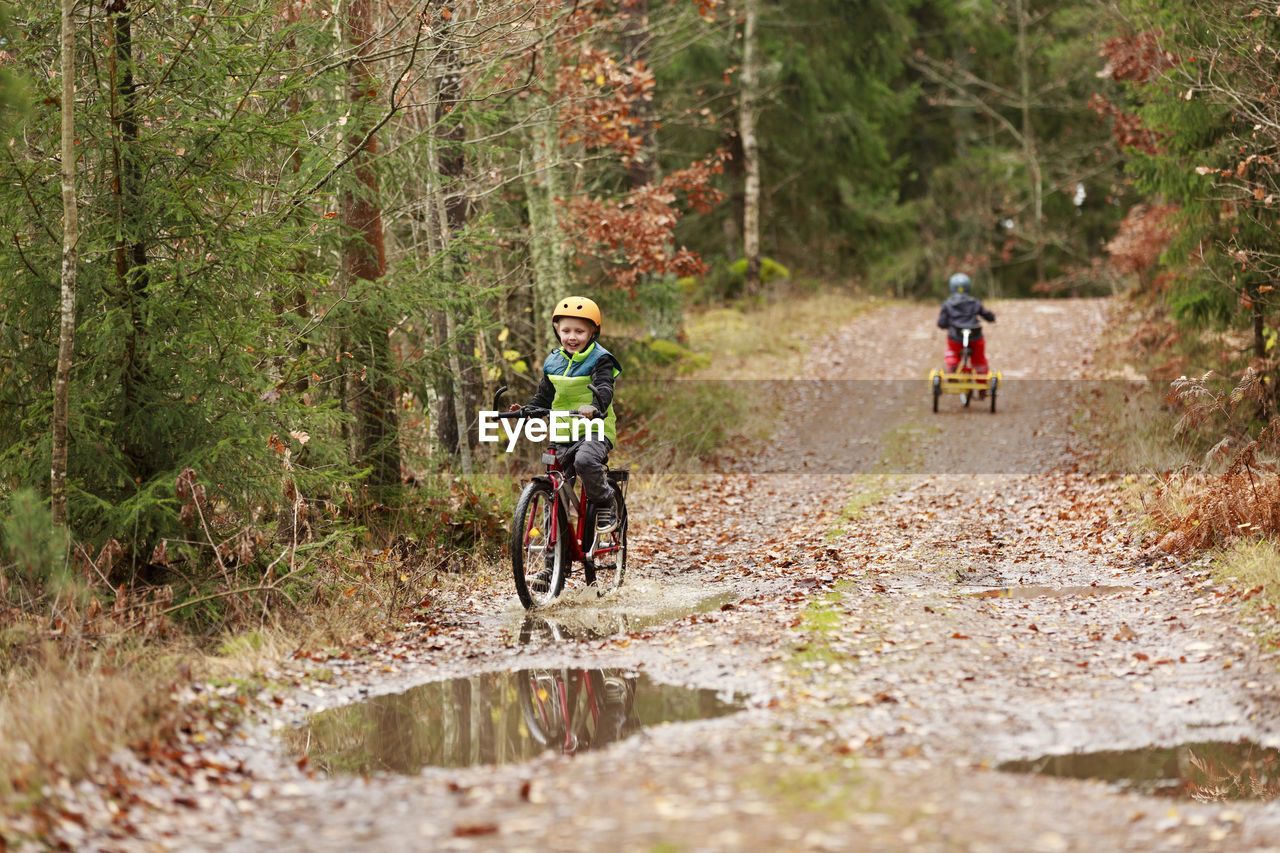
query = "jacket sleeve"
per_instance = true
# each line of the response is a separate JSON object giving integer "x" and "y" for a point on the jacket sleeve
{"x": 602, "y": 379}
{"x": 544, "y": 395}
{"x": 986, "y": 313}
{"x": 944, "y": 317}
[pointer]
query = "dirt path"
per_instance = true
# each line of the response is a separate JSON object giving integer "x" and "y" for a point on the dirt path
{"x": 882, "y": 685}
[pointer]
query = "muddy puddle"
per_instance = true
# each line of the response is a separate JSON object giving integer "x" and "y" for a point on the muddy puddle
{"x": 1207, "y": 772}
{"x": 582, "y": 615}
{"x": 497, "y": 718}
{"x": 1045, "y": 591}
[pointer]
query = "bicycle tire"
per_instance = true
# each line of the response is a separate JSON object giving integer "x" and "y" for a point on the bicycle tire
{"x": 538, "y": 692}
{"x": 546, "y": 696}
{"x": 537, "y": 521}
{"x": 937, "y": 391}
{"x": 995, "y": 386}
{"x": 611, "y": 575}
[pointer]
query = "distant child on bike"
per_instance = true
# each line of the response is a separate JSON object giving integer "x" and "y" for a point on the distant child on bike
{"x": 578, "y": 376}
{"x": 961, "y": 310}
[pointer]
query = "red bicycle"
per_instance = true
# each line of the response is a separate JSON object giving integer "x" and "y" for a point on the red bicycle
{"x": 574, "y": 710}
{"x": 545, "y": 543}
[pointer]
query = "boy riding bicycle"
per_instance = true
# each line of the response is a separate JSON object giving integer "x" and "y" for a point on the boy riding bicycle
{"x": 962, "y": 310}
{"x": 579, "y": 376}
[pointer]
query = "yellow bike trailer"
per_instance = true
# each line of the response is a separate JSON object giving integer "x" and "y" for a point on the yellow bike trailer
{"x": 965, "y": 383}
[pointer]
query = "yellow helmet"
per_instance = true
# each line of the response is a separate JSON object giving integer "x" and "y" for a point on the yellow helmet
{"x": 579, "y": 306}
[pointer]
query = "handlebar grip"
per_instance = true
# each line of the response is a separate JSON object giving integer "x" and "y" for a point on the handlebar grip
{"x": 525, "y": 412}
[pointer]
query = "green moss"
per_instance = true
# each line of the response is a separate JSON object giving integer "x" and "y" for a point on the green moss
{"x": 869, "y": 490}
{"x": 828, "y": 790}
{"x": 667, "y": 847}
{"x": 666, "y": 352}
{"x": 818, "y": 622}
{"x": 770, "y": 271}
{"x": 246, "y": 643}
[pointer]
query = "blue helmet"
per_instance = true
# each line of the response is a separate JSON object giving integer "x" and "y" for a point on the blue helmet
{"x": 959, "y": 283}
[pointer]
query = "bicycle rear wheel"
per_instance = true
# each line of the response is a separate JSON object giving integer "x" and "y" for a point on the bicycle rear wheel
{"x": 608, "y": 566}
{"x": 538, "y": 546}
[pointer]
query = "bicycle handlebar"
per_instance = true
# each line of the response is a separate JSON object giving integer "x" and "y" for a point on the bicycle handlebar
{"x": 525, "y": 412}
{"x": 537, "y": 412}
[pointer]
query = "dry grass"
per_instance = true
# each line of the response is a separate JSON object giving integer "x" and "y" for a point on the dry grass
{"x": 1196, "y": 496}
{"x": 768, "y": 341}
{"x": 1250, "y": 564}
{"x": 1131, "y": 426}
{"x": 62, "y": 710}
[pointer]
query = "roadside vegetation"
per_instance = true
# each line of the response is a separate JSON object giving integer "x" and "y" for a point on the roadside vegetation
{"x": 1197, "y": 451}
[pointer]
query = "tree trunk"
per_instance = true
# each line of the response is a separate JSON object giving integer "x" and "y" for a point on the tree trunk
{"x": 446, "y": 420}
{"x": 291, "y": 524}
{"x": 70, "y": 239}
{"x": 364, "y": 259}
{"x": 453, "y": 209}
{"x": 543, "y": 188}
{"x": 750, "y": 149}
{"x": 1259, "y": 324}
{"x": 545, "y": 238}
{"x": 131, "y": 267}
{"x": 1029, "y": 140}
{"x": 635, "y": 52}
{"x": 444, "y": 220}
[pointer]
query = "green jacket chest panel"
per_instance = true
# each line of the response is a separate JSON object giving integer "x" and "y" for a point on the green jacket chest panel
{"x": 571, "y": 377}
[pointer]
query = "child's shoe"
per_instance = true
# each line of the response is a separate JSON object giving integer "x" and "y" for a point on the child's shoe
{"x": 607, "y": 517}
{"x": 541, "y": 581}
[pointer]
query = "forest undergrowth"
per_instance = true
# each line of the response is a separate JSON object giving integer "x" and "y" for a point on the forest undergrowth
{"x": 1192, "y": 425}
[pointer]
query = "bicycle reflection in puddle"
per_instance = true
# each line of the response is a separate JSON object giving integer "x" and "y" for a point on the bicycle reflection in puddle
{"x": 498, "y": 717}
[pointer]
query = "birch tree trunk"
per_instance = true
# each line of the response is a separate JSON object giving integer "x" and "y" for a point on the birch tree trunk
{"x": 70, "y": 260}
{"x": 542, "y": 188}
{"x": 750, "y": 149}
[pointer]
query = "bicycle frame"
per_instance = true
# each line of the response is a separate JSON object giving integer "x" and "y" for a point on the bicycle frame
{"x": 560, "y": 695}
{"x": 571, "y": 500}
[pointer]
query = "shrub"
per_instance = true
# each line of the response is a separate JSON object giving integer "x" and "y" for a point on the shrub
{"x": 37, "y": 553}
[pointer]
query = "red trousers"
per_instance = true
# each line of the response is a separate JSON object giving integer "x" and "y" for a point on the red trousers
{"x": 977, "y": 357}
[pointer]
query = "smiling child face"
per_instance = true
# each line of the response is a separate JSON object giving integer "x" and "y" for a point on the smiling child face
{"x": 575, "y": 333}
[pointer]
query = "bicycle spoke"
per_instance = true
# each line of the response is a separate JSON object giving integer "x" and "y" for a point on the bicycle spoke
{"x": 537, "y": 549}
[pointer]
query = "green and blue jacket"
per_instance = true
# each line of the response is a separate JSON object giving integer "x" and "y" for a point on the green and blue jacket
{"x": 566, "y": 381}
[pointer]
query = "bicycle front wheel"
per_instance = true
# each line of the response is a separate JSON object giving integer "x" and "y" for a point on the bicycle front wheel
{"x": 608, "y": 565}
{"x": 538, "y": 546}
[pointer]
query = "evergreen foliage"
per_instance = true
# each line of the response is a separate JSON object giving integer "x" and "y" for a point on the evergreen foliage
{"x": 1200, "y": 78}
{"x": 281, "y": 221}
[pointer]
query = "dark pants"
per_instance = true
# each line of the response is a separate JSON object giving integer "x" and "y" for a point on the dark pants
{"x": 587, "y": 462}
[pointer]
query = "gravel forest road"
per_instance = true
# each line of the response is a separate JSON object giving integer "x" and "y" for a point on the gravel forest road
{"x": 911, "y": 609}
